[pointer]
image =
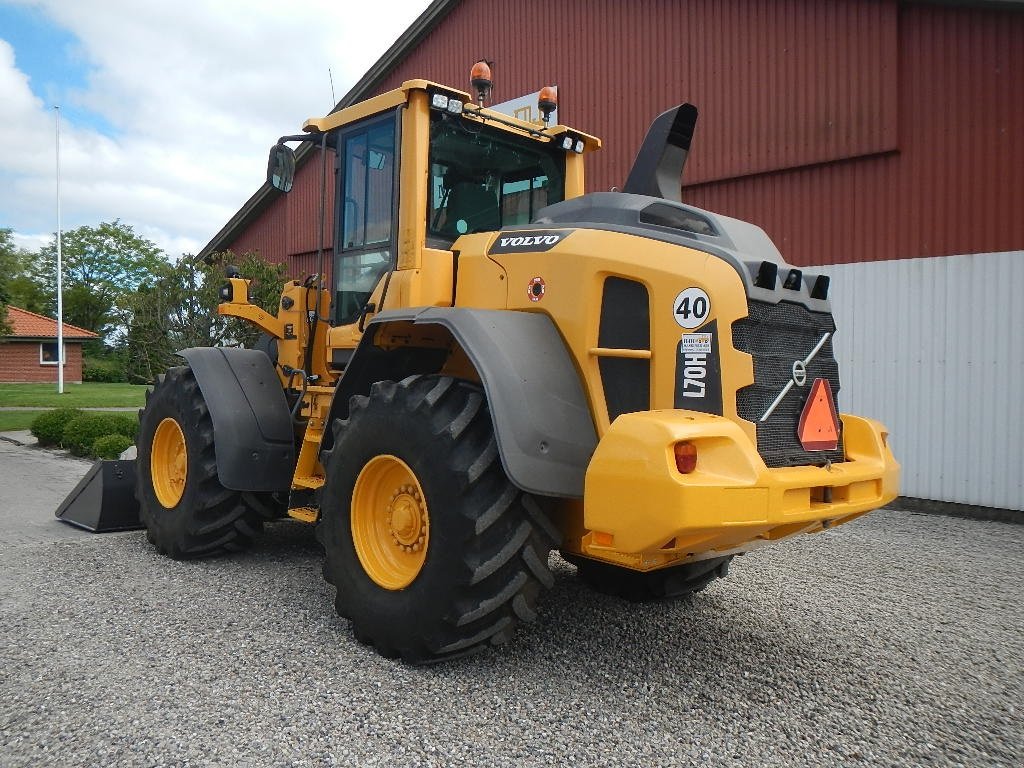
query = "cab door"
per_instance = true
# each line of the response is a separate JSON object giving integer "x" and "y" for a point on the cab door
{"x": 366, "y": 213}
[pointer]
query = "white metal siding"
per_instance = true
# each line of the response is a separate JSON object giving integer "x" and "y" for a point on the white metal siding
{"x": 934, "y": 349}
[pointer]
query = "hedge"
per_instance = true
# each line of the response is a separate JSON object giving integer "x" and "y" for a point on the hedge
{"x": 48, "y": 427}
{"x": 82, "y": 431}
{"x": 111, "y": 446}
{"x": 102, "y": 370}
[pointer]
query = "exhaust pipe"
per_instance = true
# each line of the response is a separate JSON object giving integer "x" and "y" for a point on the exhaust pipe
{"x": 658, "y": 168}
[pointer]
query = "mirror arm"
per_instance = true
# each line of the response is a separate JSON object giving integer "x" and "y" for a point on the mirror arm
{"x": 300, "y": 137}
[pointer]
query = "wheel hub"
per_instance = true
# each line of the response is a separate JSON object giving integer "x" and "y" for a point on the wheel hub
{"x": 168, "y": 463}
{"x": 407, "y": 519}
{"x": 390, "y": 522}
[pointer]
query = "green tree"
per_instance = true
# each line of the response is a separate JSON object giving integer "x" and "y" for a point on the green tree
{"x": 9, "y": 266}
{"x": 178, "y": 309}
{"x": 102, "y": 268}
{"x": 16, "y": 287}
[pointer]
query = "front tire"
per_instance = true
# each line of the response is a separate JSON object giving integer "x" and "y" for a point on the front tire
{"x": 186, "y": 511}
{"x": 433, "y": 552}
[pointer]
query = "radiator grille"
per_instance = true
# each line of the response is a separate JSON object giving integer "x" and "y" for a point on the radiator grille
{"x": 777, "y": 335}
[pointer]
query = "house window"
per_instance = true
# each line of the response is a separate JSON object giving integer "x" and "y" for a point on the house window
{"x": 48, "y": 353}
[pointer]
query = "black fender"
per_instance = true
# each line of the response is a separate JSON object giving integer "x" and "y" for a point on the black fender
{"x": 252, "y": 427}
{"x": 542, "y": 422}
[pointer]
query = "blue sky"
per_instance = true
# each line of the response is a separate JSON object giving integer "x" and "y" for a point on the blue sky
{"x": 53, "y": 60}
{"x": 167, "y": 108}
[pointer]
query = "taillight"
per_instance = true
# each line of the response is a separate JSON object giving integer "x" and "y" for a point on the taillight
{"x": 686, "y": 457}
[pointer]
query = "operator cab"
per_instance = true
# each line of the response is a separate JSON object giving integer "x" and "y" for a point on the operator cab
{"x": 481, "y": 179}
{"x": 481, "y": 171}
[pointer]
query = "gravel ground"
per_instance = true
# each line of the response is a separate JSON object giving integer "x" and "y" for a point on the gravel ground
{"x": 894, "y": 640}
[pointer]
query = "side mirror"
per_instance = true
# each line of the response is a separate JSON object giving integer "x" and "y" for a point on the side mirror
{"x": 281, "y": 167}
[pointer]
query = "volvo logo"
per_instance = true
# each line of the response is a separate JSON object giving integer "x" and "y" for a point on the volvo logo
{"x": 799, "y": 376}
{"x": 799, "y": 373}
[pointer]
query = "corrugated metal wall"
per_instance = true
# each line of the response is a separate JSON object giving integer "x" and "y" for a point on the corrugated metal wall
{"x": 933, "y": 349}
{"x": 288, "y": 230}
{"x": 268, "y": 234}
{"x": 772, "y": 78}
{"x": 954, "y": 185}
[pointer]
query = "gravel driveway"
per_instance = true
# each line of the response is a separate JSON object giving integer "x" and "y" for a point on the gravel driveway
{"x": 895, "y": 640}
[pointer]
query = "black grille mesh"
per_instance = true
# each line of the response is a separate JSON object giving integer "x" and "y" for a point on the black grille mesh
{"x": 776, "y": 335}
{"x": 625, "y": 324}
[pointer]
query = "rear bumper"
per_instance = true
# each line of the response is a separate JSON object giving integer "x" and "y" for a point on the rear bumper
{"x": 641, "y": 512}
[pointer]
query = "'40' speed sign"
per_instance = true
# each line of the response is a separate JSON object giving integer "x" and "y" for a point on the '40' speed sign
{"x": 691, "y": 308}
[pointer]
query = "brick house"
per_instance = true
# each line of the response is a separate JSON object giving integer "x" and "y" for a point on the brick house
{"x": 29, "y": 353}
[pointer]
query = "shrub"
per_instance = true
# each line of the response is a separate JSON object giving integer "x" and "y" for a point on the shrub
{"x": 48, "y": 427}
{"x": 102, "y": 369}
{"x": 81, "y": 432}
{"x": 111, "y": 446}
{"x": 127, "y": 424}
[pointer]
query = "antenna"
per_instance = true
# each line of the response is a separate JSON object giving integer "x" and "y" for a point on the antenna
{"x": 334, "y": 101}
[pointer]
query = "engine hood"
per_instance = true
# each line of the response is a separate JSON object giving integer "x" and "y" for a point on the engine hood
{"x": 746, "y": 247}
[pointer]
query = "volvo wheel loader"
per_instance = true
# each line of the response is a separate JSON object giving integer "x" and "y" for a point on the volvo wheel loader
{"x": 502, "y": 365}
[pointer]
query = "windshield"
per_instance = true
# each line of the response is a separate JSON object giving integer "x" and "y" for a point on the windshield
{"x": 483, "y": 178}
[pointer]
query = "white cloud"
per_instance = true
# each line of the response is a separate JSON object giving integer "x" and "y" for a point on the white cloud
{"x": 195, "y": 92}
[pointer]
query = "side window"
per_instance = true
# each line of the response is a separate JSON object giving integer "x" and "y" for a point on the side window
{"x": 366, "y": 210}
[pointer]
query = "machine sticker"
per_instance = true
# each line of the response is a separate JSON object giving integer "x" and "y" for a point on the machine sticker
{"x": 528, "y": 242}
{"x": 699, "y": 372}
{"x": 691, "y": 308}
{"x": 535, "y": 290}
{"x": 696, "y": 343}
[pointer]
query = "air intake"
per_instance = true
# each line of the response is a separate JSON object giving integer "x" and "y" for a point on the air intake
{"x": 658, "y": 168}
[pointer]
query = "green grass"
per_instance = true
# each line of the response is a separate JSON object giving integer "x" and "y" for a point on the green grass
{"x": 11, "y": 421}
{"x": 88, "y": 395}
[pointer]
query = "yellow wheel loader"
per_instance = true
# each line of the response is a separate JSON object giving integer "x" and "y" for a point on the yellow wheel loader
{"x": 502, "y": 365}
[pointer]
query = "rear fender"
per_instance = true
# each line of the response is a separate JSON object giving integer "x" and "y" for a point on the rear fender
{"x": 542, "y": 421}
{"x": 253, "y": 437}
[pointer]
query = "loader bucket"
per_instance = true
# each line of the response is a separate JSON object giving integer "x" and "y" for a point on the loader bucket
{"x": 103, "y": 500}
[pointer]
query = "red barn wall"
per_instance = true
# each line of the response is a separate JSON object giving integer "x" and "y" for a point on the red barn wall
{"x": 850, "y": 131}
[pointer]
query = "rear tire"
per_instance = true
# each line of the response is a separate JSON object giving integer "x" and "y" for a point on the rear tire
{"x": 433, "y": 551}
{"x": 641, "y": 587}
{"x": 186, "y": 511}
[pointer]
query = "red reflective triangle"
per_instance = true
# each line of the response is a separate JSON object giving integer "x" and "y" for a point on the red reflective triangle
{"x": 818, "y": 429}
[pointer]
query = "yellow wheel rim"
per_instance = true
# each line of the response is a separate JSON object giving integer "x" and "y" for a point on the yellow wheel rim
{"x": 168, "y": 463}
{"x": 390, "y": 524}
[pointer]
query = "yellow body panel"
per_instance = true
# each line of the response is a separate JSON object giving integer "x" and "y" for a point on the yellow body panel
{"x": 574, "y": 272}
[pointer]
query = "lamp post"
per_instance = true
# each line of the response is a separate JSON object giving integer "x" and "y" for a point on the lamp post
{"x": 60, "y": 291}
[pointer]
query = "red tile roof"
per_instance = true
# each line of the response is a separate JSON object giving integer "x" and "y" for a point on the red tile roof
{"x": 29, "y": 325}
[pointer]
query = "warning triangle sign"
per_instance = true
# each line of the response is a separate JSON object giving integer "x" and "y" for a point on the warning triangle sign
{"x": 818, "y": 429}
